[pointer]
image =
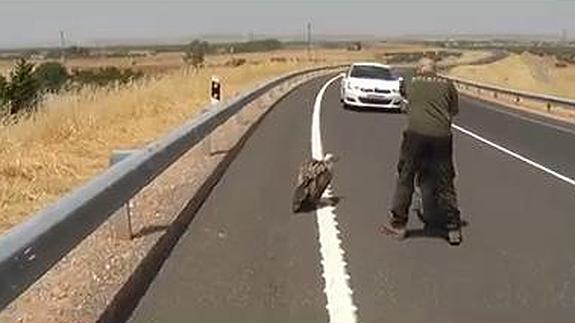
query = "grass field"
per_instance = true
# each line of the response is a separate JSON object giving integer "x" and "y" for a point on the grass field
{"x": 70, "y": 139}
{"x": 526, "y": 72}
{"x": 163, "y": 62}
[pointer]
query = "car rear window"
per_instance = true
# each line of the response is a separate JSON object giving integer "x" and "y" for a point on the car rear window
{"x": 372, "y": 72}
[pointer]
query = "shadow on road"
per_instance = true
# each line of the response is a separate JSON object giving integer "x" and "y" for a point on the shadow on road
{"x": 431, "y": 233}
{"x": 372, "y": 110}
{"x": 324, "y": 202}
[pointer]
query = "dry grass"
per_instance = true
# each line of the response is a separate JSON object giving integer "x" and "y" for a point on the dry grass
{"x": 524, "y": 72}
{"x": 70, "y": 140}
{"x": 169, "y": 61}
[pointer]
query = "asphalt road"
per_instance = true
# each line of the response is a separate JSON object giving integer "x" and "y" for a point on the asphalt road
{"x": 247, "y": 258}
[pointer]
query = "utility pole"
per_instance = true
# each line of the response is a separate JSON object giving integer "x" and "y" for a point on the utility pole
{"x": 62, "y": 47}
{"x": 309, "y": 41}
{"x": 564, "y": 35}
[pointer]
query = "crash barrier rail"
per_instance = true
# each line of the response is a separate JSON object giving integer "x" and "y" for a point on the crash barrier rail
{"x": 31, "y": 248}
{"x": 517, "y": 96}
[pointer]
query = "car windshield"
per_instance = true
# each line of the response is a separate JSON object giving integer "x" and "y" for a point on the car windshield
{"x": 372, "y": 72}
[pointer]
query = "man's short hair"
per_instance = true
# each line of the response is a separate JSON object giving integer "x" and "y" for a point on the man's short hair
{"x": 426, "y": 66}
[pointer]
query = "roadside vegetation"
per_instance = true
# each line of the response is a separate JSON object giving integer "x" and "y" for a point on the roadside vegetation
{"x": 79, "y": 115}
{"x": 528, "y": 72}
{"x": 28, "y": 84}
{"x": 562, "y": 51}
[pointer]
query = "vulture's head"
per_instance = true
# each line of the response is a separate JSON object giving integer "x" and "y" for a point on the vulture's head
{"x": 330, "y": 159}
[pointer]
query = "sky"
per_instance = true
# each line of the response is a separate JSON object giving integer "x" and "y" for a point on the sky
{"x": 85, "y": 22}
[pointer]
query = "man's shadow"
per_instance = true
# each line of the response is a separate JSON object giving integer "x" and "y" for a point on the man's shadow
{"x": 432, "y": 231}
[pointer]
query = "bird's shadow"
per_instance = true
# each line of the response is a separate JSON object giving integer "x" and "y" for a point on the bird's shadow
{"x": 323, "y": 202}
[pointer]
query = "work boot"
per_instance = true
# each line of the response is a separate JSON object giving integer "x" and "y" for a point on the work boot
{"x": 454, "y": 234}
{"x": 395, "y": 227}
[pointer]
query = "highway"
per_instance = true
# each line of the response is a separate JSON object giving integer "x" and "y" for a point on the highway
{"x": 247, "y": 258}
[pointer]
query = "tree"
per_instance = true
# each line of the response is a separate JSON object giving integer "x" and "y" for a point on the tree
{"x": 196, "y": 52}
{"x": 23, "y": 91}
{"x": 51, "y": 76}
{"x": 3, "y": 96}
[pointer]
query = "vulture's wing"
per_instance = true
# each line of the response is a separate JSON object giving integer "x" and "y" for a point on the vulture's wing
{"x": 311, "y": 170}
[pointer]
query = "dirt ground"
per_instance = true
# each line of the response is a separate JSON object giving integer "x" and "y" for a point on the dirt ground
{"x": 525, "y": 72}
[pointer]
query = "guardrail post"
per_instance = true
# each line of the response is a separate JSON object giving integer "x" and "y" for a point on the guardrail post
{"x": 495, "y": 94}
{"x": 206, "y": 145}
{"x": 548, "y": 106}
{"x": 121, "y": 221}
{"x": 517, "y": 99}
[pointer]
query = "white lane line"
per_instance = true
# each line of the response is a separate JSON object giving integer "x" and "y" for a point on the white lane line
{"x": 503, "y": 109}
{"x": 516, "y": 155}
{"x": 340, "y": 306}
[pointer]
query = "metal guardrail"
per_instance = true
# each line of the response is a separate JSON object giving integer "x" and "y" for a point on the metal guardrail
{"x": 30, "y": 249}
{"x": 549, "y": 99}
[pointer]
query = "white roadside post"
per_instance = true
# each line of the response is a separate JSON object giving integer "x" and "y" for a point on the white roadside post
{"x": 215, "y": 90}
{"x": 121, "y": 221}
{"x": 215, "y": 98}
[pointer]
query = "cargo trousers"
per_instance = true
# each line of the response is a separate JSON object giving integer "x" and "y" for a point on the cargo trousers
{"x": 429, "y": 159}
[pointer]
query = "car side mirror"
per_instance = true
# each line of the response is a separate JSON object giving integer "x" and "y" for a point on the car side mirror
{"x": 342, "y": 75}
{"x": 400, "y": 78}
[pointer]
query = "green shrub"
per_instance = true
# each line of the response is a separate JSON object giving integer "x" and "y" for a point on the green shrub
{"x": 3, "y": 96}
{"x": 278, "y": 59}
{"x": 235, "y": 62}
{"x": 257, "y": 46}
{"x": 51, "y": 76}
{"x": 23, "y": 90}
{"x": 105, "y": 76}
{"x": 195, "y": 53}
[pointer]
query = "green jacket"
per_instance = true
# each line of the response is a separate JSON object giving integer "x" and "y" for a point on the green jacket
{"x": 433, "y": 102}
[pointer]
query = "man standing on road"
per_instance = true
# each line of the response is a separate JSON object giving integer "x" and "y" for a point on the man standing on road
{"x": 427, "y": 147}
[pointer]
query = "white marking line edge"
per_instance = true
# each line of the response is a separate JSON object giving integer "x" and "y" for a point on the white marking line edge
{"x": 340, "y": 306}
{"x": 516, "y": 155}
{"x": 522, "y": 115}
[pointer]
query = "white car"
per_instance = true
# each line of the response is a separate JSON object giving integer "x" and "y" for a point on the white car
{"x": 371, "y": 85}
